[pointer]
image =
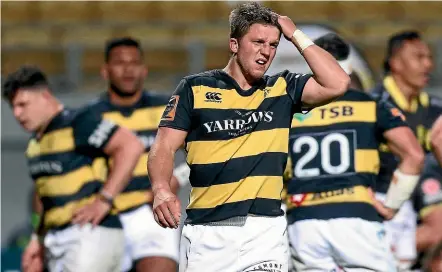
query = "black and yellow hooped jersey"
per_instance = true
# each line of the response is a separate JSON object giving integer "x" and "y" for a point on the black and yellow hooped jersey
{"x": 236, "y": 143}
{"x": 334, "y": 157}
{"x": 421, "y": 113}
{"x": 141, "y": 118}
{"x": 61, "y": 163}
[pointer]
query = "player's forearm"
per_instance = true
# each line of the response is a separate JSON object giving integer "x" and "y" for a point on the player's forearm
{"x": 427, "y": 237}
{"x": 124, "y": 160}
{"x": 160, "y": 166}
{"x": 328, "y": 73}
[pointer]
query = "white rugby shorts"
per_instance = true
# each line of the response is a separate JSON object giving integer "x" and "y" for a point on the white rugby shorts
{"x": 145, "y": 238}
{"x": 258, "y": 245}
{"x": 401, "y": 231}
{"x": 341, "y": 244}
{"x": 86, "y": 248}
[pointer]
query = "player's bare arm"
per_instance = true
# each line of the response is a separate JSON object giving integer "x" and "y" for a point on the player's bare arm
{"x": 404, "y": 144}
{"x": 330, "y": 80}
{"x": 436, "y": 139}
{"x": 429, "y": 232}
{"x": 166, "y": 205}
{"x": 32, "y": 258}
{"x": 125, "y": 149}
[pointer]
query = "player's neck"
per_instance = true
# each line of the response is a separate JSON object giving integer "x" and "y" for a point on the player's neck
{"x": 124, "y": 101}
{"x": 234, "y": 70}
{"x": 408, "y": 91}
{"x": 53, "y": 110}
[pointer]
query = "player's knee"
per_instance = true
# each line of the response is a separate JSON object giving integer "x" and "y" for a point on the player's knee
{"x": 152, "y": 264}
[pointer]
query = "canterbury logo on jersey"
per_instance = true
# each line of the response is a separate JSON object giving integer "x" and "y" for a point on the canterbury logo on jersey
{"x": 101, "y": 133}
{"x": 213, "y": 97}
{"x": 239, "y": 125}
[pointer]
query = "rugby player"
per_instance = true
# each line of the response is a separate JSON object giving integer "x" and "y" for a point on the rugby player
{"x": 235, "y": 124}
{"x": 78, "y": 208}
{"x": 333, "y": 222}
{"x": 427, "y": 203}
{"x": 407, "y": 67}
{"x": 149, "y": 246}
{"x": 436, "y": 139}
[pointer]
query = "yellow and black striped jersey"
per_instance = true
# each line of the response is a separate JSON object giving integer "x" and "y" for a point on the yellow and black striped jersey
{"x": 334, "y": 157}
{"x": 142, "y": 118}
{"x": 421, "y": 113}
{"x": 236, "y": 143}
{"x": 61, "y": 164}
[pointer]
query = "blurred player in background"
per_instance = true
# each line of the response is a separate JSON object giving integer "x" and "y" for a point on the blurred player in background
{"x": 78, "y": 208}
{"x": 287, "y": 57}
{"x": 149, "y": 246}
{"x": 427, "y": 202}
{"x": 407, "y": 66}
{"x": 235, "y": 123}
{"x": 333, "y": 222}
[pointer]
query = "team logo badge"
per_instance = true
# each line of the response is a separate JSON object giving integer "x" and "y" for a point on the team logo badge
{"x": 213, "y": 97}
{"x": 170, "y": 111}
{"x": 431, "y": 186}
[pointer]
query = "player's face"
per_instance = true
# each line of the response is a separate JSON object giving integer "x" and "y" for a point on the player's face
{"x": 125, "y": 69}
{"x": 256, "y": 49}
{"x": 28, "y": 107}
{"x": 415, "y": 63}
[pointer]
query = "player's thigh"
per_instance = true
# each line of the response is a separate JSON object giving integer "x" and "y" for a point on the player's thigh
{"x": 263, "y": 244}
{"x": 154, "y": 264}
{"x": 208, "y": 248}
{"x": 145, "y": 238}
{"x": 100, "y": 249}
{"x": 360, "y": 245}
{"x": 309, "y": 246}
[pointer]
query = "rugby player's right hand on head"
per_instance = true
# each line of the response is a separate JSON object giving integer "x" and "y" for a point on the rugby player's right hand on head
{"x": 287, "y": 26}
{"x": 166, "y": 208}
{"x": 32, "y": 258}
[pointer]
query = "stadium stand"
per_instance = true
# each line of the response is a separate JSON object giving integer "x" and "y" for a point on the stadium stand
{"x": 172, "y": 26}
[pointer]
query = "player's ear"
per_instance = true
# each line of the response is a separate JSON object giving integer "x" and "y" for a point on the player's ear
{"x": 233, "y": 43}
{"x": 104, "y": 73}
{"x": 145, "y": 71}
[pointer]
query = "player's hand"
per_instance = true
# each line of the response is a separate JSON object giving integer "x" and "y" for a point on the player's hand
{"x": 92, "y": 213}
{"x": 385, "y": 212}
{"x": 166, "y": 208}
{"x": 32, "y": 258}
{"x": 287, "y": 26}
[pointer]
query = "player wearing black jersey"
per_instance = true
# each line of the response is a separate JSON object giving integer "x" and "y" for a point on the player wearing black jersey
{"x": 234, "y": 124}
{"x": 148, "y": 246}
{"x": 78, "y": 208}
{"x": 334, "y": 161}
{"x": 427, "y": 202}
{"x": 407, "y": 66}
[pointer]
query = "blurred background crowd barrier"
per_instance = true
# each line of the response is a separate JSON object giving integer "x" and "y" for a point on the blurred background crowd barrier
{"x": 66, "y": 40}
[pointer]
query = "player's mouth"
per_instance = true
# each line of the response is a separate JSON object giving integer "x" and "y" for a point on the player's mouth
{"x": 262, "y": 62}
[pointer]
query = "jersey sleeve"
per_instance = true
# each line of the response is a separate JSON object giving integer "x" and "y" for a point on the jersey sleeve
{"x": 92, "y": 133}
{"x": 388, "y": 117}
{"x": 178, "y": 111}
{"x": 428, "y": 192}
{"x": 295, "y": 87}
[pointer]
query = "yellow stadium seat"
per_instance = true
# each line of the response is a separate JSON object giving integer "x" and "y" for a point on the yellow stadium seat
{"x": 26, "y": 35}
{"x": 68, "y": 11}
{"x": 13, "y": 12}
{"x": 193, "y": 11}
{"x": 362, "y": 11}
{"x": 87, "y": 35}
{"x": 167, "y": 60}
{"x": 209, "y": 35}
{"x": 383, "y": 31}
{"x": 128, "y": 11}
{"x": 51, "y": 62}
{"x": 152, "y": 34}
{"x": 217, "y": 57}
{"x": 421, "y": 10}
{"x": 305, "y": 11}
